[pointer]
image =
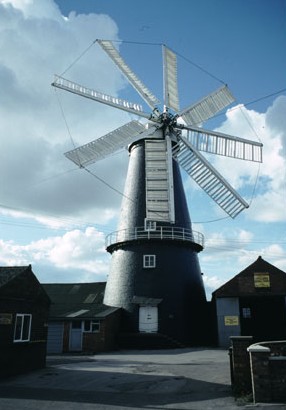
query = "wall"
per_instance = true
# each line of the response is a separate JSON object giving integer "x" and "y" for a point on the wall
{"x": 268, "y": 372}
{"x": 240, "y": 365}
{"x": 106, "y": 339}
{"x": 21, "y": 357}
{"x": 258, "y": 368}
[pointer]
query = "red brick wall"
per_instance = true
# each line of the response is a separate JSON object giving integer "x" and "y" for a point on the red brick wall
{"x": 106, "y": 338}
{"x": 268, "y": 368}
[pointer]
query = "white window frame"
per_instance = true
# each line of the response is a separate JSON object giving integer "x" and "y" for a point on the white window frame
{"x": 24, "y": 335}
{"x": 150, "y": 225}
{"x": 94, "y": 326}
{"x": 149, "y": 261}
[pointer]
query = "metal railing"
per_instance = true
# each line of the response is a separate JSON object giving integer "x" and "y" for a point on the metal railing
{"x": 160, "y": 233}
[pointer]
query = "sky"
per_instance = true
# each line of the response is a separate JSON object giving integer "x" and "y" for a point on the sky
{"x": 55, "y": 216}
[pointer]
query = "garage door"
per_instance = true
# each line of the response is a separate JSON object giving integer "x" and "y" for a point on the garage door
{"x": 55, "y": 337}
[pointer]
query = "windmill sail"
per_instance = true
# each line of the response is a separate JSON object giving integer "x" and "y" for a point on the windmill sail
{"x": 159, "y": 181}
{"x": 208, "y": 178}
{"x": 171, "y": 96}
{"x": 207, "y": 107}
{"x": 145, "y": 93}
{"x": 224, "y": 144}
{"x": 108, "y": 144}
{"x": 106, "y": 99}
{"x": 159, "y": 150}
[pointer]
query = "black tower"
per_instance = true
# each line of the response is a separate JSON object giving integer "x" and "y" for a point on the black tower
{"x": 155, "y": 275}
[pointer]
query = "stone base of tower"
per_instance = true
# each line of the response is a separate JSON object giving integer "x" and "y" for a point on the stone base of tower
{"x": 197, "y": 331}
{"x": 167, "y": 300}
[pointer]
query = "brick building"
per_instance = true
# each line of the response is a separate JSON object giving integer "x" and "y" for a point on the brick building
{"x": 24, "y": 307}
{"x": 253, "y": 303}
{"x": 78, "y": 320}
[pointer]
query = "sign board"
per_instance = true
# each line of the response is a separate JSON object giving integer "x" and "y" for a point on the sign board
{"x": 231, "y": 321}
{"x": 261, "y": 280}
{"x": 6, "y": 318}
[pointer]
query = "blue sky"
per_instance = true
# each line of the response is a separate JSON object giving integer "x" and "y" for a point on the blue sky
{"x": 55, "y": 216}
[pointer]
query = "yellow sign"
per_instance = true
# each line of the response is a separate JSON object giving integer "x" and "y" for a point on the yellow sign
{"x": 5, "y": 318}
{"x": 231, "y": 321}
{"x": 261, "y": 280}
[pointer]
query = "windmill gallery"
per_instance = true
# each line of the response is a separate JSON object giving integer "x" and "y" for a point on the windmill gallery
{"x": 155, "y": 242}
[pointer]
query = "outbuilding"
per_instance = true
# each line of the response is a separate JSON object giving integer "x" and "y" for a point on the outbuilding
{"x": 253, "y": 303}
{"x": 78, "y": 320}
{"x": 24, "y": 307}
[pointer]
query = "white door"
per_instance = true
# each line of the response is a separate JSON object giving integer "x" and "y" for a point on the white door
{"x": 148, "y": 319}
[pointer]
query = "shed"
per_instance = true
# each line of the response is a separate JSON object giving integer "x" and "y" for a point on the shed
{"x": 78, "y": 320}
{"x": 24, "y": 307}
{"x": 252, "y": 303}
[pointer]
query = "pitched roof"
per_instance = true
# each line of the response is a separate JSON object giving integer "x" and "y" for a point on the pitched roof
{"x": 8, "y": 273}
{"x": 243, "y": 284}
{"x": 77, "y": 300}
{"x": 20, "y": 283}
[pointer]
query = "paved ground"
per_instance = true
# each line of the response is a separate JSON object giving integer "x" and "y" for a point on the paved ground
{"x": 158, "y": 379}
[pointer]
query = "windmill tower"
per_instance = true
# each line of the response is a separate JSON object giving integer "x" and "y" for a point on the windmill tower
{"x": 155, "y": 275}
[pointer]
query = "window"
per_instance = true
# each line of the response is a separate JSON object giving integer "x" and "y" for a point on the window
{"x": 22, "y": 328}
{"x": 246, "y": 313}
{"x": 149, "y": 261}
{"x": 150, "y": 225}
{"x": 91, "y": 326}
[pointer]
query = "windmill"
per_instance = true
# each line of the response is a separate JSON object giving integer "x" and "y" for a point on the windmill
{"x": 155, "y": 275}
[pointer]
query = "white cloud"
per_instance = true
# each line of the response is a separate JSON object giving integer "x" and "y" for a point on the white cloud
{"x": 268, "y": 201}
{"x": 81, "y": 249}
{"x": 229, "y": 238}
{"x": 31, "y": 8}
{"x": 36, "y": 42}
{"x": 212, "y": 283}
{"x": 245, "y": 236}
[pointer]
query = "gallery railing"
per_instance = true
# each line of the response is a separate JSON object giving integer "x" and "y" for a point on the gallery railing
{"x": 160, "y": 233}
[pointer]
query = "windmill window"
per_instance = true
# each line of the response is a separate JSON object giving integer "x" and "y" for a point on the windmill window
{"x": 150, "y": 225}
{"x": 149, "y": 261}
{"x": 22, "y": 328}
